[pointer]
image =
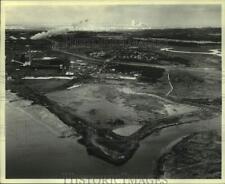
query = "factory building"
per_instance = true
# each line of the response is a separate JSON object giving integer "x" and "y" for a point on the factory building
{"x": 44, "y": 62}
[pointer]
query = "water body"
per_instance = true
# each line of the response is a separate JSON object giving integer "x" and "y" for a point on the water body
{"x": 47, "y": 78}
{"x": 36, "y": 151}
{"x": 127, "y": 130}
{"x": 216, "y": 52}
{"x": 74, "y": 86}
{"x": 179, "y": 41}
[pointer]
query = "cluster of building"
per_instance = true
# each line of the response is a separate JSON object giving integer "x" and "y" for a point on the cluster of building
{"x": 135, "y": 55}
{"x": 79, "y": 67}
{"x": 27, "y": 60}
{"x": 97, "y": 54}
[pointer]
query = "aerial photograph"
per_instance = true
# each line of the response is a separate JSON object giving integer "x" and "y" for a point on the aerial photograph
{"x": 113, "y": 91}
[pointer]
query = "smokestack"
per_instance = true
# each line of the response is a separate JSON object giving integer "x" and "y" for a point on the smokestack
{"x": 28, "y": 63}
{"x": 29, "y": 55}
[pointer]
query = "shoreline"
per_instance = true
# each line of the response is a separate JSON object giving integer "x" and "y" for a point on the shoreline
{"x": 93, "y": 148}
{"x": 185, "y": 160}
{"x": 101, "y": 142}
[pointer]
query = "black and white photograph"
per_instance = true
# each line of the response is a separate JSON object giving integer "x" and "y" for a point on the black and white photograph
{"x": 100, "y": 90}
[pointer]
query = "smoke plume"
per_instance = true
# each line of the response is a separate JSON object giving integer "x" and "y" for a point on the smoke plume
{"x": 57, "y": 31}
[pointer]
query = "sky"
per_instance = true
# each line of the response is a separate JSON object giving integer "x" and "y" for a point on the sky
{"x": 151, "y": 16}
